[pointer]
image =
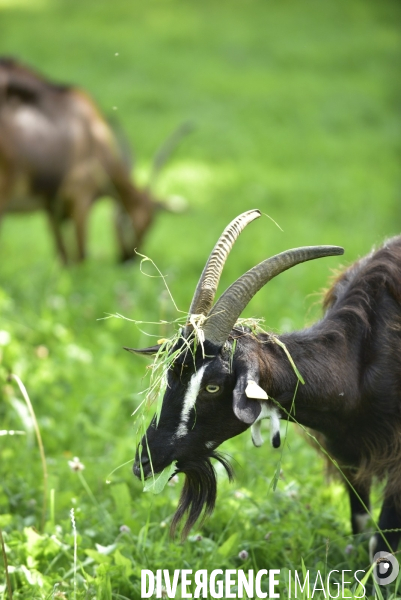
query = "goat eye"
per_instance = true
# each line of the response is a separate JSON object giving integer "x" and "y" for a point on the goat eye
{"x": 212, "y": 389}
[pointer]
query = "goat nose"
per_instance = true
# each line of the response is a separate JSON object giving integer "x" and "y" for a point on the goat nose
{"x": 142, "y": 465}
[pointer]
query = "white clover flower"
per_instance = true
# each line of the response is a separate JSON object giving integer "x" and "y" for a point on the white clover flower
{"x": 243, "y": 555}
{"x": 75, "y": 464}
{"x": 42, "y": 352}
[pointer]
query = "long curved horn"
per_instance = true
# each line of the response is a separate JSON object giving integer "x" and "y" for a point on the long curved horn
{"x": 230, "y": 305}
{"x": 205, "y": 291}
{"x": 166, "y": 150}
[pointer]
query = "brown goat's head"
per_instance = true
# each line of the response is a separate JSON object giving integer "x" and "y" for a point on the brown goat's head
{"x": 214, "y": 386}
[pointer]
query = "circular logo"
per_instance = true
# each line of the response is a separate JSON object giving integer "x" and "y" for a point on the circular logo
{"x": 386, "y": 568}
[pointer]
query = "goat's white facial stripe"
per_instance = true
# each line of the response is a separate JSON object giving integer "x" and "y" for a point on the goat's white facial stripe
{"x": 189, "y": 401}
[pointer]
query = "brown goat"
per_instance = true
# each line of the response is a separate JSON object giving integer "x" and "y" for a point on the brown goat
{"x": 58, "y": 154}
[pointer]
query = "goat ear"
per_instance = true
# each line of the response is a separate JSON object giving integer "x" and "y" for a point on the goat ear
{"x": 151, "y": 351}
{"x": 246, "y": 407}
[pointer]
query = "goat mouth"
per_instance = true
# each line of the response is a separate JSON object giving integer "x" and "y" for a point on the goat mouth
{"x": 198, "y": 496}
{"x": 147, "y": 472}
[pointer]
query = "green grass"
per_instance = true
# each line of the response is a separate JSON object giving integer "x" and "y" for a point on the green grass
{"x": 296, "y": 107}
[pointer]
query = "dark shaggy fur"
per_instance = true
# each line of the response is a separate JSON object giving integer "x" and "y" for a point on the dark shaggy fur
{"x": 198, "y": 495}
{"x": 367, "y": 299}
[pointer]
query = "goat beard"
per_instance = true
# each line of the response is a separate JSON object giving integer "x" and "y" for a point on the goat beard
{"x": 198, "y": 496}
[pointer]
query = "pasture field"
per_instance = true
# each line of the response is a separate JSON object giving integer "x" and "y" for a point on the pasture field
{"x": 296, "y": 112}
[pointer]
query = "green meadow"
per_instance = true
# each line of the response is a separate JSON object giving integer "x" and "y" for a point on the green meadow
{"x": 295, "y": 111}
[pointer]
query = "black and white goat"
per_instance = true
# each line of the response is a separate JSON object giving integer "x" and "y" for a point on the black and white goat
{"x": 350, "y": 361}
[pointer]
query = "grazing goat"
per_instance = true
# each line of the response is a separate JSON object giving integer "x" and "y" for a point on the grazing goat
{"x": 58, "y": 154}
{"x": 227, "y": 378}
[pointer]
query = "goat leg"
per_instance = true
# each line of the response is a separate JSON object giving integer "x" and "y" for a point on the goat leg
{"x": 125, "y": 239}
{"x": 55, "y": 225}
{"x": 358, "y": 492}
{"x": 80, "y": 212}
{"x": 389, "y": 525}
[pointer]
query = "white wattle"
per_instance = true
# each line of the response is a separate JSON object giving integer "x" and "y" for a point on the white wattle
{"x": 267, "y": 412}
